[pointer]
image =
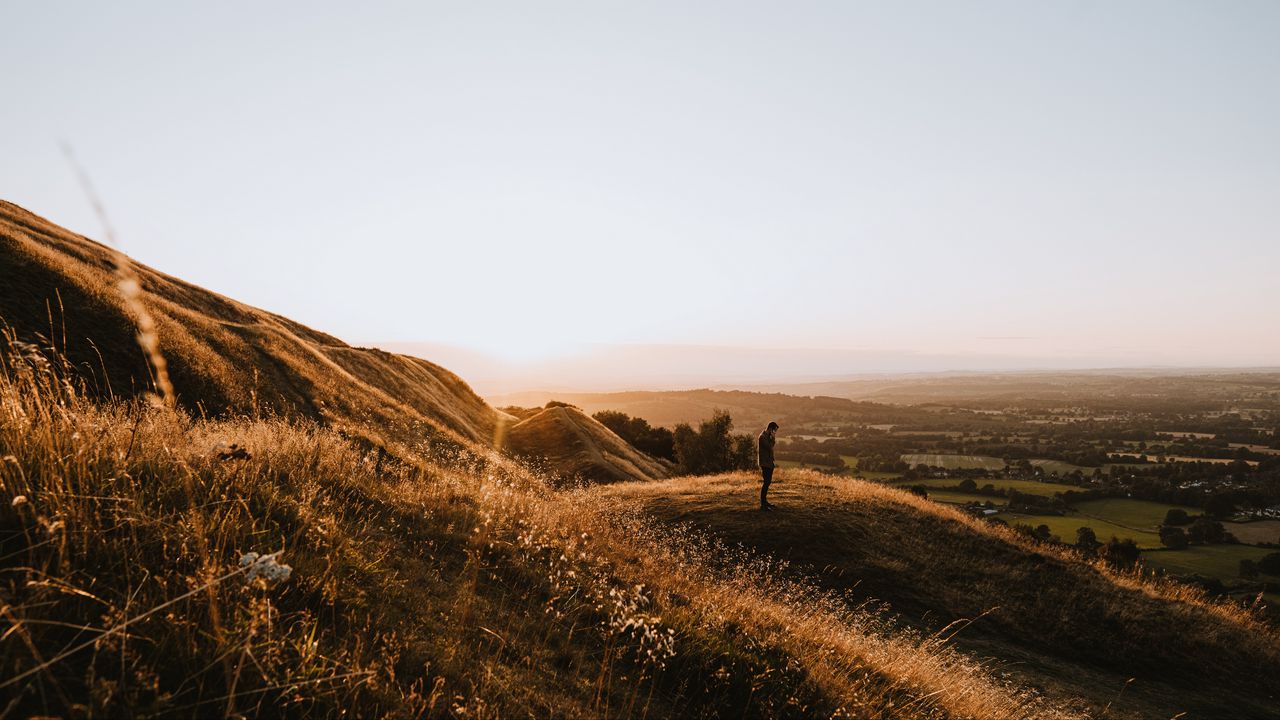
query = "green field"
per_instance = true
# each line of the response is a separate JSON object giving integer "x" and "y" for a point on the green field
{"x": 1138, "y": 514}
{"x": 1047, "y": 489}
{"x": 1060, "y": 467}
{"x": 1064, "y": 526}
{"x": 954, "y": 462}
{"x": 851, "y": 462}
{"x": 1151, "y": 457}
{"x": 985, "y": 462}
{"x": 1220, "y": 561}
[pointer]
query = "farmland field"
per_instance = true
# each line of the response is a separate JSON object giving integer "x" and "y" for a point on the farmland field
{"x": 1220, "y": 561}
{"x": 1060, "y": 467}
{"x": 954, "y": 462}
{"x": 1252, "y": 533}
{"x": 956, "y": 497}
{"x": 1023, "y": 486}
{"x": 1151, "y": 457}
{"x": 985, "y": 462}
{"x": 1139, "y": 514}
{"x": 876, "y": 475}
{"x": 1065, "y": 527}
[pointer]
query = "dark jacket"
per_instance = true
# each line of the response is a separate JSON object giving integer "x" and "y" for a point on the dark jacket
{"x": 765, "y": 443}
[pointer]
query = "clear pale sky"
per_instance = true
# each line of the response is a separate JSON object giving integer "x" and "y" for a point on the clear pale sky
{"x": 990, "y": 183}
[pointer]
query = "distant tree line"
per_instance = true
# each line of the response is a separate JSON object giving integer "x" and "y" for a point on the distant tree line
{"x": 826, "y": 460}
{"x": 656, "y": 441}
{"x": 709, "y": 449}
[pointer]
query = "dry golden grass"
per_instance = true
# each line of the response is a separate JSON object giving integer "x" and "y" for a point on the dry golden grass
{"x": 1079, "y": 630}
{"x": 424, "y": 585}
{"x": 223, "y": 356}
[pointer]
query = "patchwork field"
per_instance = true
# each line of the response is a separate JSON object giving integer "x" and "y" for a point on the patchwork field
{"x": 1151, "y": 457}
{"x": 955, "y": 497}
{"x": 954, "y": 462}
{"x": 1065, "y": 526}
{"x": 1138, "y": 514}
{"x": 986, "y": 462}
{"x": 1220, "y": 561}
{"x": 1060, "y": 467}
{"x": 1252, "y": 533}
{"x": 1023, "y": 486}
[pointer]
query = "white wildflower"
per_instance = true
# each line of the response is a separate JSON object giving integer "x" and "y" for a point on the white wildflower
{"x": 265, "y": 567}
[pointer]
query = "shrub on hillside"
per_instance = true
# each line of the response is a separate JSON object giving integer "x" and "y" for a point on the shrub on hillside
{"x": 1173, "y": 538}
{"x": 1120, "y": 553}
{"x": 1087, "y": 539}
{"x": 1177, "y": 516}
{"x": 1204, "y": 530}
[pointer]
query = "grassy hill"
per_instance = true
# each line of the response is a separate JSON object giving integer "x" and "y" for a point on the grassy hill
{"x": 578, "y": 446}
{"x": 433, "y": 583}
{"x": 62, "y": 290}
{"x": 1077, "y": 631}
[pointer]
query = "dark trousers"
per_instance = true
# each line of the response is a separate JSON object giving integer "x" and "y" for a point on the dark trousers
{"x": 767, "y": 473}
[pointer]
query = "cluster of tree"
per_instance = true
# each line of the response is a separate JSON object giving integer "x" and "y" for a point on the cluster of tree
{"x": 1037, "y": 504}
{"x": 1202, "y": 531}
{"x": 1269, "y": 564}
{"x": 713, "y": 448}
{"x": 826, "y": 460}
{"x": 656, "y": 441}
{"x": 1116, "y": 552}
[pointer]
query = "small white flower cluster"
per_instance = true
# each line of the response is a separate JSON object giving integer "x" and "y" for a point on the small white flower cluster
{"x": 265, "y": 567}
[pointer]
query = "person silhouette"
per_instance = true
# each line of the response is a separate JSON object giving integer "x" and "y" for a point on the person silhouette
{"x": 768, "y": 437}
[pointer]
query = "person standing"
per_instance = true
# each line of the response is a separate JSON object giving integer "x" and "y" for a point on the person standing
{"x": 768, "y": 437}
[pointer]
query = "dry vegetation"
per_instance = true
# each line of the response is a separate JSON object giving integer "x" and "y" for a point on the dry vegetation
{"x": 1078, "y": 629}
{"x": 423, "y": 585}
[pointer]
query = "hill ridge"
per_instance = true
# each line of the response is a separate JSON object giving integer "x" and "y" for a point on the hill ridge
{"x": 226, "y": 356}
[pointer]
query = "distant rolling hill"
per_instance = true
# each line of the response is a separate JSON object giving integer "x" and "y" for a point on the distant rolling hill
{"x": 224, "y": 356}
{"x": 750, "y": 410}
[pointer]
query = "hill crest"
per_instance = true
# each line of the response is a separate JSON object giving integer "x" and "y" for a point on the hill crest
{"x": 225, "y": 357}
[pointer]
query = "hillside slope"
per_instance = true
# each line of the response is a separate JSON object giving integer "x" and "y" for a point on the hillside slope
{"x": 1076, "y": 631}
{"x": 227, "y": 357}
{"x": 132, "y": 571}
